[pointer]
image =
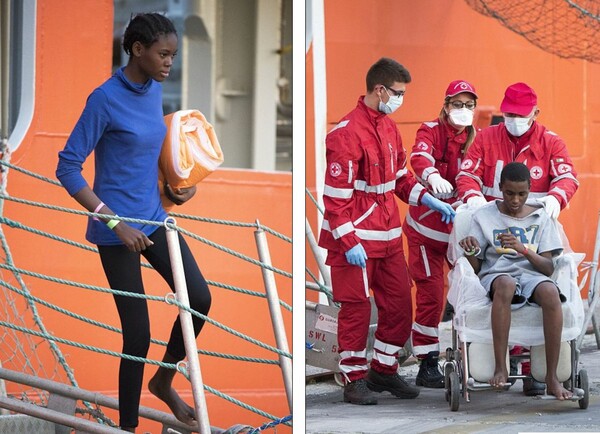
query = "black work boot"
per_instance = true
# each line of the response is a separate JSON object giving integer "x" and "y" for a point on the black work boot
{"x": 513, "y": 370}
{"x": 532, "y": 387}
{"x": 448, "y": 312}
{"x": 430, "y": 374}
{"x": 392, "y": 383}
{"x": 357, "y": 392}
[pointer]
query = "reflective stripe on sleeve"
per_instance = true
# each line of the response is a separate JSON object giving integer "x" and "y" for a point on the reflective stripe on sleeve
{"x": 428, "y": 172}
{"x": 560, "y": 192}
{"x": 400, "y": 173}
{"x": 415, "y": 193}
{"x": 423, "y": 154}
{"x": 567, "y": 175}
{"x": 425, "y": 231}
{"x": 339, "y": 125}
{"x": 339, "y": 193}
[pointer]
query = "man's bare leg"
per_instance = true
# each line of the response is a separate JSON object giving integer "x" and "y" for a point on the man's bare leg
{"x": 546, "y": 295}
{"x": 503, "y": 290}
{"x": 161, "y": 386}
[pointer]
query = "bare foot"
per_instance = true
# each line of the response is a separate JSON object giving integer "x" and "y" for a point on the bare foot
{"x": 183, "y": 412}
{"x": 554, "y": 387}
{"x": 499, "y": 378}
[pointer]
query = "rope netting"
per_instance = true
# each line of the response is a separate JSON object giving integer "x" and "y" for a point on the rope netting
{"x": 24, "y": 335}
{"x": 567, "y": 28}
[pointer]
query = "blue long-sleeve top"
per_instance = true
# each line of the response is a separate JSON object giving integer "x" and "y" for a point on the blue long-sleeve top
{"x": 123, "y": 123}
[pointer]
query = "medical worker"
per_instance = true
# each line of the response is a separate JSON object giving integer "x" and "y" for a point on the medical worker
{"x": 366, "y": 170}
{"x": 435, "y": 159}
{"x": 523, "y": 139}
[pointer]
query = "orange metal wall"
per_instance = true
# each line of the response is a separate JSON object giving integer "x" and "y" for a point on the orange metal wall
{"x": 74, "y": 49}
{"x": 440, "y": 41}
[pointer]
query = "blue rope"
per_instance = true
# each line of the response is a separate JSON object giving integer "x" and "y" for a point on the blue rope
{"x": 272, "y": 424}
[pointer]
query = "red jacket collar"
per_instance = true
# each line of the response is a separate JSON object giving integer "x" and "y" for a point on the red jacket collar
{"x": 373, "y": 115}
{"x": 531, "y": 138}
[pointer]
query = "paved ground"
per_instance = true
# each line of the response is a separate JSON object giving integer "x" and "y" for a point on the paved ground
{"x": 488, "y": 411}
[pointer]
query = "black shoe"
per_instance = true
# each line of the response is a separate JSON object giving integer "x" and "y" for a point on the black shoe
{"x": 393, "y": 383}
{"x": 532, "y": 387}
{"x": 357, "y": 392}
{"x": 514, "y": 370}
{"x": 430, "y": 374}
{"x": 448, "y": 312}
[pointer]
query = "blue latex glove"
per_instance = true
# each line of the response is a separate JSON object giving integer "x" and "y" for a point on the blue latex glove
{"x": 357, "y": 256}
{"x": 443, "y": 208}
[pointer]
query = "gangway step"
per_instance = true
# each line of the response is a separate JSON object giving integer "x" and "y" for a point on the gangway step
{"x": 78, "y": 423}
{"x": 58, "y": 389}
{"x": 25, "y": 424}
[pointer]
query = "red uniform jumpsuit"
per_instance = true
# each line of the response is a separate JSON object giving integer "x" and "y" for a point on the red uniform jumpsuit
{"x": 366, "y": 169}
{"x": 541, "y": 150}
{"x": 437, "y": 149}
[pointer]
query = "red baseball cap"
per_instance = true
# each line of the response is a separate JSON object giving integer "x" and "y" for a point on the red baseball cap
{"x": 519, "y": 99}
{"x": 459, "y": 86}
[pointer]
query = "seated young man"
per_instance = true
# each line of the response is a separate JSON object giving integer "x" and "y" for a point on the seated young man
{"x": 511, "y": 248}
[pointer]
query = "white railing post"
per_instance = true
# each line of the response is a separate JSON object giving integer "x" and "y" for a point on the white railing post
{"x": 3, "y": 394}
{"x": 189, "y": 337}
{"x": 274, "y": 308}
{"x": 317, "y": 253}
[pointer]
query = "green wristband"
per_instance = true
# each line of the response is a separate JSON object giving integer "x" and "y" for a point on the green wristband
{"x": 112, "y": 223}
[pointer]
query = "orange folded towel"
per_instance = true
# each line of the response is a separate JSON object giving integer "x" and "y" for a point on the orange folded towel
{"x": 190, "y": 152}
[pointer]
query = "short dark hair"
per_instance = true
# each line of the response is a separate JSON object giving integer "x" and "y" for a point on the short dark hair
{"x": 515, "y": 172}
{"x": 386, "y": 71}
{"x": 146, "y": 28}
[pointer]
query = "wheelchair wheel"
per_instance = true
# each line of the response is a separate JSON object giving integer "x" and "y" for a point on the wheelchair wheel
{"x": 448, "y": 369}
{"x": 339, "y": 379}
{"x": 583, "y": 383}
{"x": 453, "y": 390}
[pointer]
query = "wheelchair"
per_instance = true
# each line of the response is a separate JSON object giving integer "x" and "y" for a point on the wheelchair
{"x": 469, "y": 363}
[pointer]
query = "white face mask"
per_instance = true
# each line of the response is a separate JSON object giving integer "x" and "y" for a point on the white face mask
{"x": 517, "y": 126}
{"x": 461, "y": 117}
{"x": 392, "y": 105}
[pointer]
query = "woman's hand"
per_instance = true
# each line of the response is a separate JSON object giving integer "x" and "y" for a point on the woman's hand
{"x": 135, "y": 240}
{"x": 179, "y": 195}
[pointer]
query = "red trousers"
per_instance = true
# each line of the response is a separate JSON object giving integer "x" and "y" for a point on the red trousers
{"x": 389, "y": 281}
{"x": 426, "y": 259}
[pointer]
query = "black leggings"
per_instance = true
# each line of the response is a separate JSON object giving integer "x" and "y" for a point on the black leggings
{"x": 123, "y": 271}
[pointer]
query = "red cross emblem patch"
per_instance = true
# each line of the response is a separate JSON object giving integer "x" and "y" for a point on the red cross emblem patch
{"x": 335, "y": 169}
{"x": 467, "y": 164}
{"x": 564, "y": 168}
{"x": 536, "y": 172}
